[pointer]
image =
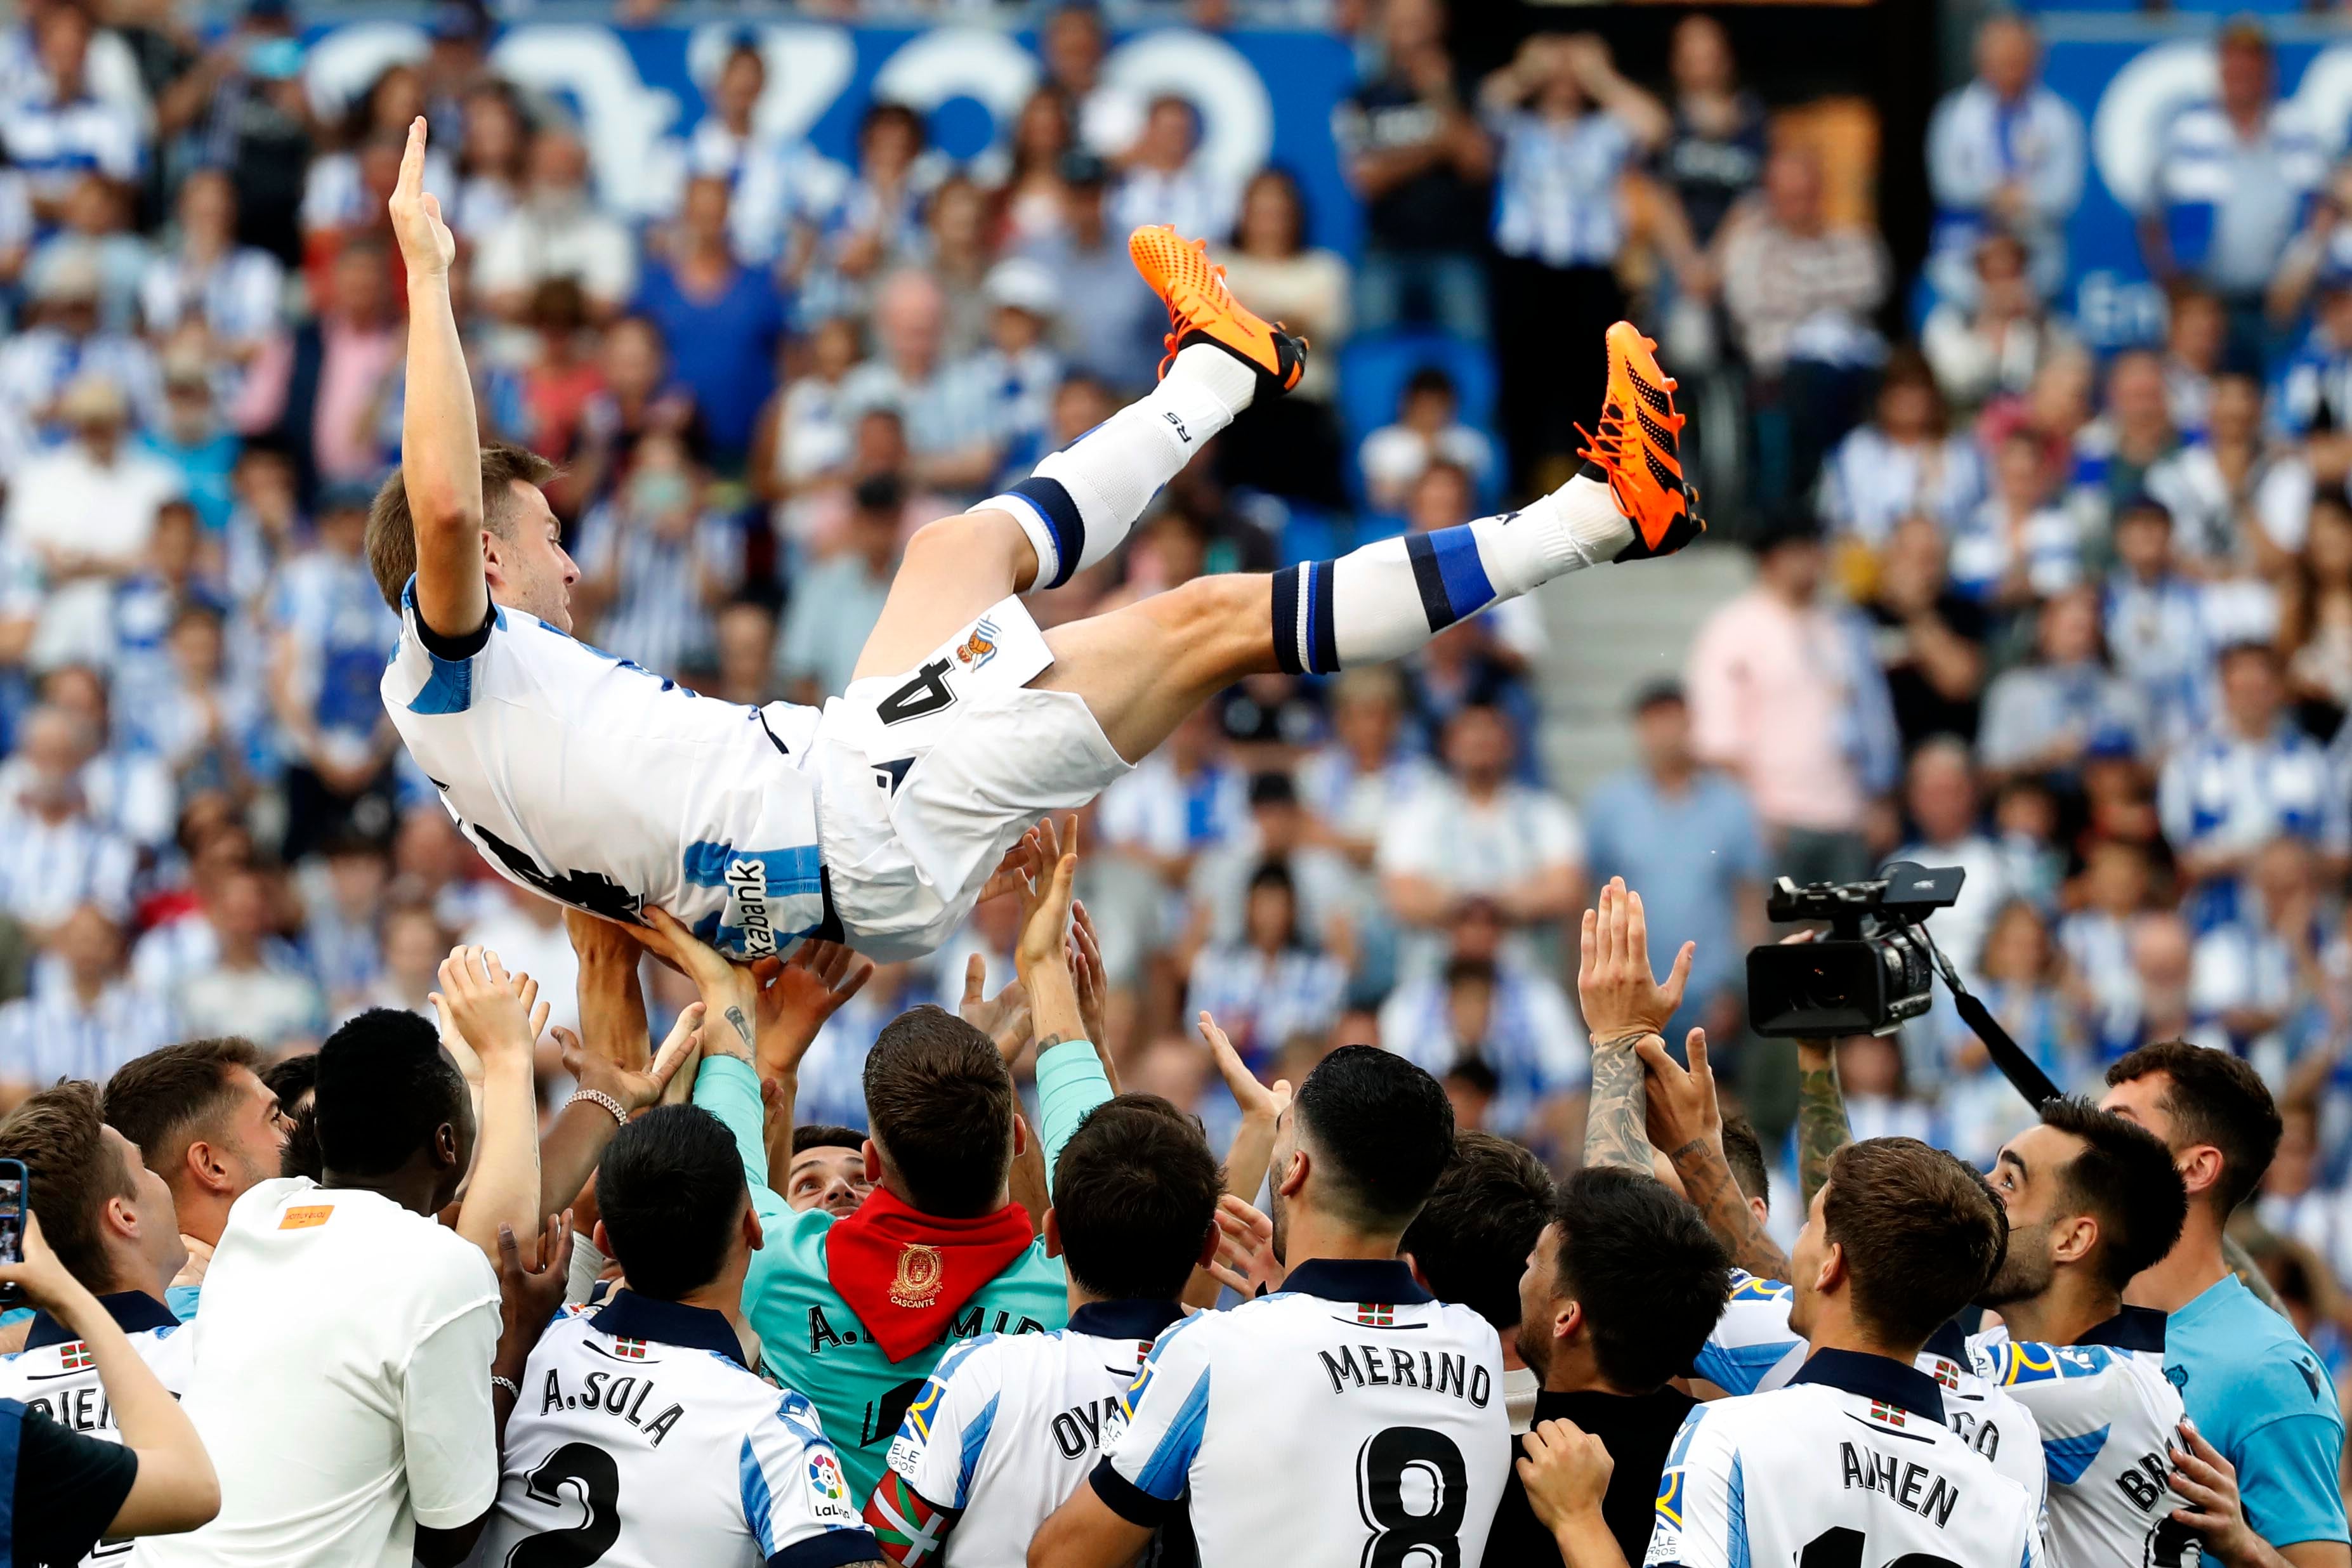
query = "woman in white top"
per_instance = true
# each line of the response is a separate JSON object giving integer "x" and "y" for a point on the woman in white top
{"x": 490, "y": 174}
{"x": 1306, "y": 289}
{"x": 235, "y": 290}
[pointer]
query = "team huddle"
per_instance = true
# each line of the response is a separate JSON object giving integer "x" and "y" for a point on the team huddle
{"x": 1356, "y": 1336}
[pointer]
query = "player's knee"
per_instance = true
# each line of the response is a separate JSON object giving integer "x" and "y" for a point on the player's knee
{"x": 963, "y": 536}
{"x": 1220, "y": 603}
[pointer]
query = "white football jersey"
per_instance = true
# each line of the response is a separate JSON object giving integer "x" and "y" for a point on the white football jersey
{"x": 642, "y": 1439}
{"x": 1849, "y": 1466}
{"x": 1348, "y": 1419}
{"x": 1754, "y": 1351}
{"x": 54, "y": 1374}
{"x": 1005, "y": 1430}
{"x": 605, "y": 786}
{"x": 2108, "y": 1421}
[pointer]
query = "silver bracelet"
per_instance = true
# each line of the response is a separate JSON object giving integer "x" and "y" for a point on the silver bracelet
{"x": 508, "y": 1383}
{"x": 598, "y": 1097}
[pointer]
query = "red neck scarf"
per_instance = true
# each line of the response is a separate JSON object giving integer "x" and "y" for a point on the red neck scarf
{"x": 903, "y": 1272}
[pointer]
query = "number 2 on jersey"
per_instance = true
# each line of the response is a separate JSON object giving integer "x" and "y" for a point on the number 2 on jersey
{"x": 1405, "y": 1533}
{"x": 597, "y": 1480}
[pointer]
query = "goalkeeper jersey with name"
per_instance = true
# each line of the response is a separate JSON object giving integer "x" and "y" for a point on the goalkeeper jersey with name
{"x": 1850, "y": 1466}
{"x": 1349, "y": 1418}
{"x": 1005, "y": 1430}
{"x": 642, "y": 1431}
{"x": 2109, "y": 1422}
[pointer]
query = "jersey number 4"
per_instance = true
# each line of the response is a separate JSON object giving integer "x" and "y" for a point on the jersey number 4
{"x": 575, "y": 1474}
{"x": 1411, "y": 1488}
{"x": 1841, "y": 1548}
{"x": 926, "y": 694}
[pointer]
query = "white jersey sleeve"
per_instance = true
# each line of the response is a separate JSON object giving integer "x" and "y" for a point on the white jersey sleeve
{"x": 946, "y": 1429}
{"x": 1165, "y": 1411}
{"x": 1702, "y": 1511}
{"x": 793, "y": 1488}
{"x": 1752, "y": 1349}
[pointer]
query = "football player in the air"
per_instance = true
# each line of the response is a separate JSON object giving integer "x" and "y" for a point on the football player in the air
{"x": 880, "y": 820}
{"x": 1008, "y": 1425}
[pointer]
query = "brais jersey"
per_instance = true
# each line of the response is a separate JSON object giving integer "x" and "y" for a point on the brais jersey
{"x": 642, "y": 1439}
{"x": 1850, "y": 1466}
{"x": 1346, "y": 1419}
{"x": 1005, "y": 1430}
{"x": 54, "y": 1374}
{"x": 1754, "y": 1351}
{"x": 2109, "y": 1422}
{"x": 605, "y": 787}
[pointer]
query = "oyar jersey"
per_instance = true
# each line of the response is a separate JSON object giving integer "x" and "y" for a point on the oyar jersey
{"x": 1850, "y": 1466}
{"x": 605, "y": 786}
{"x": 2109, "y": 1421}
{"x": 1346, "y": 1419}
{"x": 54, "y": 1374}
{"x": 1754, "y": 1351}
{"x": 643, "y": 1440}
{"x": 1005, "y": 1429}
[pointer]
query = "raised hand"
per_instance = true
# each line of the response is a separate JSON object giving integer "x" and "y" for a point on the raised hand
{"x": 1089, "y": 974}
{"x": 634, "y": 1091}
{"x": 1245, "y": 1260}
{"x": 796, "y": 996}
{"x": 427, "y": 245}
{"x": 1614, "y": 981}
{"x": 1682, "y": 1104}
{"x": 1046, "y": 899}
{"x": 728, "y": 989}
{"x": 1003, "y": 1018}
{"x": 40, "y": 1279}
{"x": 499, "y": 1014}
{"x": 529, "y": 1293}
{"x": 1258, "y": 1103}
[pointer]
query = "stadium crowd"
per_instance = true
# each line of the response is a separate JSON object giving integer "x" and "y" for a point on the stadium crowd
{"x": 2082, "y": 626}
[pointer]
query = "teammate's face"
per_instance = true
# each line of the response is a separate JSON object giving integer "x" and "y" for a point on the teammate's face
{"x": 151, "y": 1210}
{"x": 2026, "y": 1176}
{"x": 528, "y": 567}
{"x": 1286, "y": 1147}
{"x": 1536, "y": 1305}
{"x": 1805, "y": 1261}
{"x": 829, "y": 1179}
{"x": 253, "y": 1138}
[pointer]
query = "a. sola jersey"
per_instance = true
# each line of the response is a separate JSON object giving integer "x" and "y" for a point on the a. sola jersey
{"x": 60, "y": 1380}
{"x": 607, "y": 788}
{"x": 1347, "y": 1419}
{"x": 1005, "y": 1430}
{"x": 1849, "y": 1466}
{"x": 642, "y": 1440}
{"x": 1754, "y": 1351}
{"x": 2108, "y": 1421}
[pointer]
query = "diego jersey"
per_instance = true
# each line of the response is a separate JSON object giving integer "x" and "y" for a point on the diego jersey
{"x": 54, "y": 1374}
{"x": 643, "y": 1439}
{"x": 1754, "y": 1351}
{"x": 1851, "y": 1464}
{"x": 605, "y": 786}
{"x": 2108, "y": 1421}
{"x": 1005, "y": 1429}
{"x": 1348, "y": 1419}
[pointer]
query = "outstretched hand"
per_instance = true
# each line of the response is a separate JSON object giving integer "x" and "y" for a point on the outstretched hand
{"x": 427, "y": 245}
{"x": 729, "y": 992}
{"x": 1614, "y": 981}
{"x": 1003, "y": 1018}
{"x": 1046, "y": 899}
{"x": 1258, "y": 1103}
{"x": 797, "y": 995}
{"x": 634, "y": 1091}
{"x": 1682, "y": 1105}
{"x": 499, "y": 1014}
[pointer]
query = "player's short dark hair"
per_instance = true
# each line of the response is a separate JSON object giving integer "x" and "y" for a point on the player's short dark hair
{"x": 385, "y": 1087}
{"x": 1921, "y": 1231}
{"x": 2213, "y": 1098}
{"x": 670, "y": 1187}
{"x": 1652, "y": 1279}
{"x": 70, "y": 1174}
{"x": 1382, "y": 1131}
{"x": 940, "y": 1101}
{"x": 293, "y": 1079}
{"x": 1135, "y": 1195}
{"x": 1472, "y": 1238}
{"x": 167, "y": 1099}
{"x": 392, "y": 527}
{"x": 2124, "y": 1179}
{"x": 1743, "y": 1151}
{"x": 825, "y": 1135}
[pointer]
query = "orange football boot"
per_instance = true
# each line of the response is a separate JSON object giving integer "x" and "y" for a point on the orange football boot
{"x": 1201, "y": 309}
{"x": 1637, "y": 452}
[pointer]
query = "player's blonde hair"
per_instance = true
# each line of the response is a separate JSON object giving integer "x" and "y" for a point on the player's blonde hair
{"x": 392, "y": 530}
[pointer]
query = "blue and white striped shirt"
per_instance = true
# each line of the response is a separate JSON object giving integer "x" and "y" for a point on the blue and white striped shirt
{"x": 1262, "y": 1002}
{"x": 1531, "y": 1041}
{"x": 55, "y": 143}
{"x": 1558, "y": 195}
{"x": 49, "y": 869}
{"x": 51, "y": 1034}
{"x": 2230, "y": 207}
{"x": 1871, "y": 483}
{"x": 661, "y": 614}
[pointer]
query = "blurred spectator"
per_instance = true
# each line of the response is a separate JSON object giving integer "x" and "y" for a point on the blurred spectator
{"x": 656, "y": 562}
{"x": 1016, "y": 367}
{"x": 2232, "y": 177}
{"x": 722, "y": 320}
{"x": 96, "y": 231}
{"x": 319, "y": 389}
{"x": 1112, "y": 323}
{"x": 193, "y": 439}
{"x": 2004, "y": 154}
{"x": 2235, "y": 501}
{"x": 2113, "y": 454}
{"x": 1940, "y": 798}
{"x": 1687, "y": 836}
{"x": 1273, "y": 982}
{"x": 1029, "y": 195}
{"x": 493, "y": 154}
{"x": 1428, "y": 430}
{"x": 1714, "y": 153}
{"x": 1366, "y": 771}
{"x": 1801, "y": 292}
{"x": 2314, "y": 385}
{"x": 56, "y": 125}
{"x": 2015, "y": 545}
{"x": 1417, "y": 156}
{"x": 1907, "y": 460}
{"x": 66, "y": 344}
{"x": 252, "y": 986}
{"x": 1317, "y": 879}
{"x": 954, "y": 249}
{"x": 2249, "y": 973}
{"x": 837, "y": 603}
{"x": 2048, "y": 715}
{"x": 54, "y": 857}
{"x": 879, "y": 223}
{"x": 542, "y": 400}
{"x": 210, "y": 732}
{"x": 1930, "y": 637}
{"x": 245, "y": 106}
{"x": 1786, "y": 696}
{"x": 1290, "y": 447}
{"x": 804, "y": 433}
{"x": 632, "y": 397}
{"x": 1165, "y": 180}
{"x": 1571, "y": 132}
{"x": 556, "y": 231}
{"x": 334, "y": 635}
{"x": 83, "y": 1019}
{"x": 2196, "y": 333}
{"x": 784, "y": 192}
{"x": 946, "y": 410}
{"x": 2248, "y": 778}
{"x": 1997, "y": 341}
{"x": 2018, "y": 973}
{"x": 1072, "y": 44}
{"x": 2315, "y": 631}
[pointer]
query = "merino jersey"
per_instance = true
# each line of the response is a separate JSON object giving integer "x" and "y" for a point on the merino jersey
{"x": 1852, "y": 1465}
{"x": 1349, "y": 1418}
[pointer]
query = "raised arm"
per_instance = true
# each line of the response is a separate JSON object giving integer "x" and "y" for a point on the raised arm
{"x": 1071, "y": 1082}
{"x": 440, "y": 449}
{"x": 1624, "y": 1005}
{"x": 1688, "y": 1121}
{"x": 501, "y": 1015}
{"x": 1822, "y": 1129}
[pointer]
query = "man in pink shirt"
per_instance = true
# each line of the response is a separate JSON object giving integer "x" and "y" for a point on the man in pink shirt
{"x": 1784, "y": 694}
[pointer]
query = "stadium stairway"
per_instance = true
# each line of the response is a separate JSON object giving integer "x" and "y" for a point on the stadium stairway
{"x": 1614, "y": 629}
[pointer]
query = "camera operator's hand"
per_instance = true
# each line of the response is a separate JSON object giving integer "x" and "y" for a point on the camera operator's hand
{"x": 1614, "y": 981}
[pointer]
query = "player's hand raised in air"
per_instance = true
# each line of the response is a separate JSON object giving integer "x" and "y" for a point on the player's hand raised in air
{"x": 530, "y": 1290}
{"x": 1244, "y": 1262}
{"x": 1045, "y": 899}
{"x": 499, "y": 1014}
{"x": 797, "y": 995}
{"x": 1621, "y": 996}
{"x": 1002, "y": 1017}
{"x": 729, "y": 993}
{"x": 1681, "y": 1104}
{"x": 635, "y": 1090}
{"x": 427, "y": 245}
